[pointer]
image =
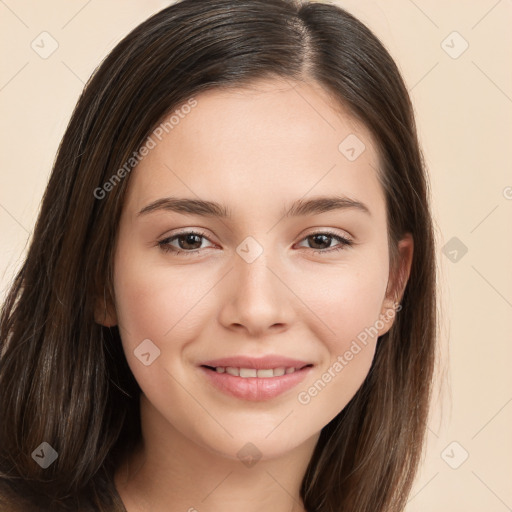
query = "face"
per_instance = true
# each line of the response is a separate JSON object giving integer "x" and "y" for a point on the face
{"x": 283, "y": 287}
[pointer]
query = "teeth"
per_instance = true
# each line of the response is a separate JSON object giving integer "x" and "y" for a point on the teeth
{"x": 252, "y": 372}
{"x": 263, "y": 373}
{"x": 248, "y": 372}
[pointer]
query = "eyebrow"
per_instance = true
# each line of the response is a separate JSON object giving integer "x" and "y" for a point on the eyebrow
{"x": 300, "y": 207}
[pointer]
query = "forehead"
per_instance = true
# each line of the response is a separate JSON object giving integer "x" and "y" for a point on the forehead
{"x": 277, "y": 138}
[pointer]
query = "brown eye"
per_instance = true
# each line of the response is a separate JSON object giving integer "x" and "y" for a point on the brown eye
{"x": 188, "y": 240}
{"x": 188, "y": 243}
{"x": 321, "y": 242}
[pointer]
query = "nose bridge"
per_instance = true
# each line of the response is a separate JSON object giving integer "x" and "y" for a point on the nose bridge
{"x": 256, "y": 276}
{"x": 253, "y": 269}
{"x": 258, "y": 298}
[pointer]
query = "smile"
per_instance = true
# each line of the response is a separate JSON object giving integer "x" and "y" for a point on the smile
{"x": 255, "y": 384}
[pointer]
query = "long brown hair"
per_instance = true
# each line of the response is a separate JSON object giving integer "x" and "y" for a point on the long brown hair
{"x": 64, "y": 379}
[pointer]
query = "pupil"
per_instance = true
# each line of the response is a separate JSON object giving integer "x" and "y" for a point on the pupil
{"x": 315, "y": 237}
{"x": 189, "y": 239}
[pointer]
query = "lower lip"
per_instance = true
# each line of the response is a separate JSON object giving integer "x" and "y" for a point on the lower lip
{"x": 255, "y": 388}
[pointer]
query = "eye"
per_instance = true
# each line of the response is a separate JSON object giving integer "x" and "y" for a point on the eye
{"x": 188, "y": 241}
{"x": 324, "y": 238}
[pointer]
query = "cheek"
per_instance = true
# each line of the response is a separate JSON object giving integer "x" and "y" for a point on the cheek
{"x": 347, "y": 299}
{"x": 336, "y": 383}
{"x": 348, "y": 302}
{"x": 164, "y": 304}
{"x": 152, "y": 300}
{"x": 155, "y": 303}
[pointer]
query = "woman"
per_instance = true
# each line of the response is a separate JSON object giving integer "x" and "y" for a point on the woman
{"x": 229, "y": 299}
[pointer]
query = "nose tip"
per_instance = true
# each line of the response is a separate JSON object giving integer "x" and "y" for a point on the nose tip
{"x": 257, "y": 298}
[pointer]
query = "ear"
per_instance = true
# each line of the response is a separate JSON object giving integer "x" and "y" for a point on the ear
{"x": 397, "y": 282}
{"x": 105, "y": 312}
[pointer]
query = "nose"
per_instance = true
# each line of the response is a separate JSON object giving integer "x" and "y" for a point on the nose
{"x": 257, "y": 298}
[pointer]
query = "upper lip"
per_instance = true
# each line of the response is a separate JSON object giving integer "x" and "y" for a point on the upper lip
{"x": 258, "y": 363}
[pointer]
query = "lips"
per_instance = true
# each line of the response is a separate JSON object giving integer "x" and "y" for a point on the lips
{"x": 255, "y": 379}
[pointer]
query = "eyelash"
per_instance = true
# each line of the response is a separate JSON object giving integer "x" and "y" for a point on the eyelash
{"x": 164, "y": 244}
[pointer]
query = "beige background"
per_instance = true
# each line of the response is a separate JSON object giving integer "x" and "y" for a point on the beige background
{"x": 464, "y": 113}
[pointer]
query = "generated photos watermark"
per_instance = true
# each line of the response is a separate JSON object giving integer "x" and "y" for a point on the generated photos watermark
{"x": 305, "y": 397}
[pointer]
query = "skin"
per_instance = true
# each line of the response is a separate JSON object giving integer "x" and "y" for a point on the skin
{"x": 254, "y": 150}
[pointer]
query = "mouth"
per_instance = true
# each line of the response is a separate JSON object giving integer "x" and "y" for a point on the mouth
{"x": 246, "y": 373}
{"x": 255, "y": 384}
